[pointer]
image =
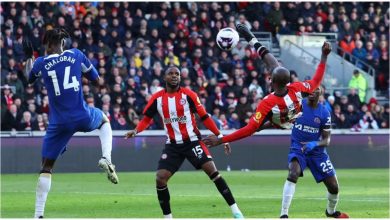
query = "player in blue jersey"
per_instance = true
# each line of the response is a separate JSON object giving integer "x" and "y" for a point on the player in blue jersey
{"x": 309, "y": 139}
{"x": 62, "y": 71}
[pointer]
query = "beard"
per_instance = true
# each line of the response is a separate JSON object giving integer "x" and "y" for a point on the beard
{"x": 173, "y": 86}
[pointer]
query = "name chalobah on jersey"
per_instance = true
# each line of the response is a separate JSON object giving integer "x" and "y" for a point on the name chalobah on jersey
{"x": 306, "y": 128}
{"x": 58, "y": 60}
{"x": 182, "y": 119}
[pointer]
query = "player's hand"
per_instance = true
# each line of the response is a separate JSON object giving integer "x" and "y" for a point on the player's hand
{"x": 227, "y": 148}
{"x": 130, "y": 134}
{"x": 212, "y": 141}
{"x": 326, "y": 48}
{"x": 28, "y": 48}
{"x": 308, "y": 146}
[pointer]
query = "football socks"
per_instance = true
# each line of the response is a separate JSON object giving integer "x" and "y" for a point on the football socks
{"x": 163, "y": 198}
{"x": 43, "y": 188}
{"x": 105, "y": 135}
{"x": 288, "y": 193}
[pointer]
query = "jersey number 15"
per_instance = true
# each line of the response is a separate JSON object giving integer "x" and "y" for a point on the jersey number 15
{"x": 66, "y": 84}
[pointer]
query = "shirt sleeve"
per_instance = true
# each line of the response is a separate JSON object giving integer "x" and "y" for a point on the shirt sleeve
{"x": 151, "y": 108}
{"x": 326, "y": 122}
{"x": 88, "y": 69}
{"x": 196, "y": 105}
{"x": 309, "y": 86}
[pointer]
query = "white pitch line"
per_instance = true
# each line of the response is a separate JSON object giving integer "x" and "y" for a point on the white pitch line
{"x": 382, "y": 200}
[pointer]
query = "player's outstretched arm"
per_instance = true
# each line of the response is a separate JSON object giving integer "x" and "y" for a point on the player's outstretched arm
{"x": 28, "y": 53}
{"x": 320, "y": 72}
{"x": 310, "y": 85}
{"x": 263, "y": 52}
{"x": 142, "y": 125}
{"x": 246, "y": 131}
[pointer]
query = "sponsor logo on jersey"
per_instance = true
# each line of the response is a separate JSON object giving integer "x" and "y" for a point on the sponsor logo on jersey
{"x": 183, "y": 101}
{"x": 306, "y": 128}
{"x": 182, "y": 119}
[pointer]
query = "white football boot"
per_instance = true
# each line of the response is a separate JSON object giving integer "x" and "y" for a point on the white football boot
{"x": 109, "y": 168}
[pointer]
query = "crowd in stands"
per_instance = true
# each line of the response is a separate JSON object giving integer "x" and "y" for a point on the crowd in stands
{"x": 130, "y": 44}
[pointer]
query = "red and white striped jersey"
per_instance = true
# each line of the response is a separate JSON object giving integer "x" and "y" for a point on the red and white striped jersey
{"x": 283, "y": 110}
{"x": 177, "y": 113}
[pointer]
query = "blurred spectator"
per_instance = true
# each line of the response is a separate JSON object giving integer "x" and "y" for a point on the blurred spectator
{"x": 27, "y": 124}
{"x": 359, "y": 52}
{"x": 11, "y": 119}
{"x": 351, "y": 115}
{"x": 234, "y": 122}
{"x": 366, "y": 122}
{"x": 372, "y": 56}
{"x": 325, "y": 103}
{"x": 338, "y": 118}
{"x": 243, "y": 108}
{"x": 359, "y": 83}
{"x": 347, "y": 43}
{"x": 7, "y": 96}
{"x": 41, "y": 123}
{"x": 17, "y": 83}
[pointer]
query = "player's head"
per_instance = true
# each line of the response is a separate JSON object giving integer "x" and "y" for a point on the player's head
{"x": 280, "y": 77}
{"x": 315, "y": 96}
{"x": 172, "y": 76}
{"x": 55, "y": 39}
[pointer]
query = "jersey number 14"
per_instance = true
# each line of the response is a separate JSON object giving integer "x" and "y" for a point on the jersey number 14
{"x": 66, "y": 84}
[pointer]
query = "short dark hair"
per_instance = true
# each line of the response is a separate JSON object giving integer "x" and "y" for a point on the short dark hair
{"x": 55, "y": 36}
{"x": 171, "y": 66}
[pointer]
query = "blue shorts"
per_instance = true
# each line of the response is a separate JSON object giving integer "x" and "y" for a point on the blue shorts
{"x": 320, "y": 165}
{"x": 58, "y": 135}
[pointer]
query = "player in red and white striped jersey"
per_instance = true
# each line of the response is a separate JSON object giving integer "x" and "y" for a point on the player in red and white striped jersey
{"x": 282, "y": 106}
{"x": 177, "y": 107}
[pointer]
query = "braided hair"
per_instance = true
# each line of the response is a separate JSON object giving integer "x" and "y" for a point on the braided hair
{"x": 55, "y": 36}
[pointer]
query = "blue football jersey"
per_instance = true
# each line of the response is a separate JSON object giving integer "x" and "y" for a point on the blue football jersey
{"x": 308, "y": 127}
{"x": 62, "y": 75}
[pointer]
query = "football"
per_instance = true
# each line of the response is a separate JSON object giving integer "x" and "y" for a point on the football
{"x": 227, "y": 38}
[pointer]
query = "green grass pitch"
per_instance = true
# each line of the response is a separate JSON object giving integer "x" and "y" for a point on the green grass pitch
{"x": 364, "y": 193}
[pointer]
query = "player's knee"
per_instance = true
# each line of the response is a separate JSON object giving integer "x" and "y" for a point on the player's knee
{"x": 214, "y": 176}
{"x": 333, "y": 189}
{"x": 161, "y": 179}
{"x": 293, "y": 176}
{"x": 46, "y": 170}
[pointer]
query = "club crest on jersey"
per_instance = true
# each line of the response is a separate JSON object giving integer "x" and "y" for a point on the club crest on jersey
{"x": 182, "y": 101}
{"x": 317, "y": 120}
{"x": 257, "y": 116}
{"x": 164, "y": 156}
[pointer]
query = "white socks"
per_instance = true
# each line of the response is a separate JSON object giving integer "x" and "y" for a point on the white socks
{"x": 235, "y": 208}
{"x": 43, "y": 188}
{"x": 253, "y": 41}
{"x": 168, "y": 216}
{"x": 288, "y": 193}
{"x": 105, "y": 136}
{"x": 332, "y": 203}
